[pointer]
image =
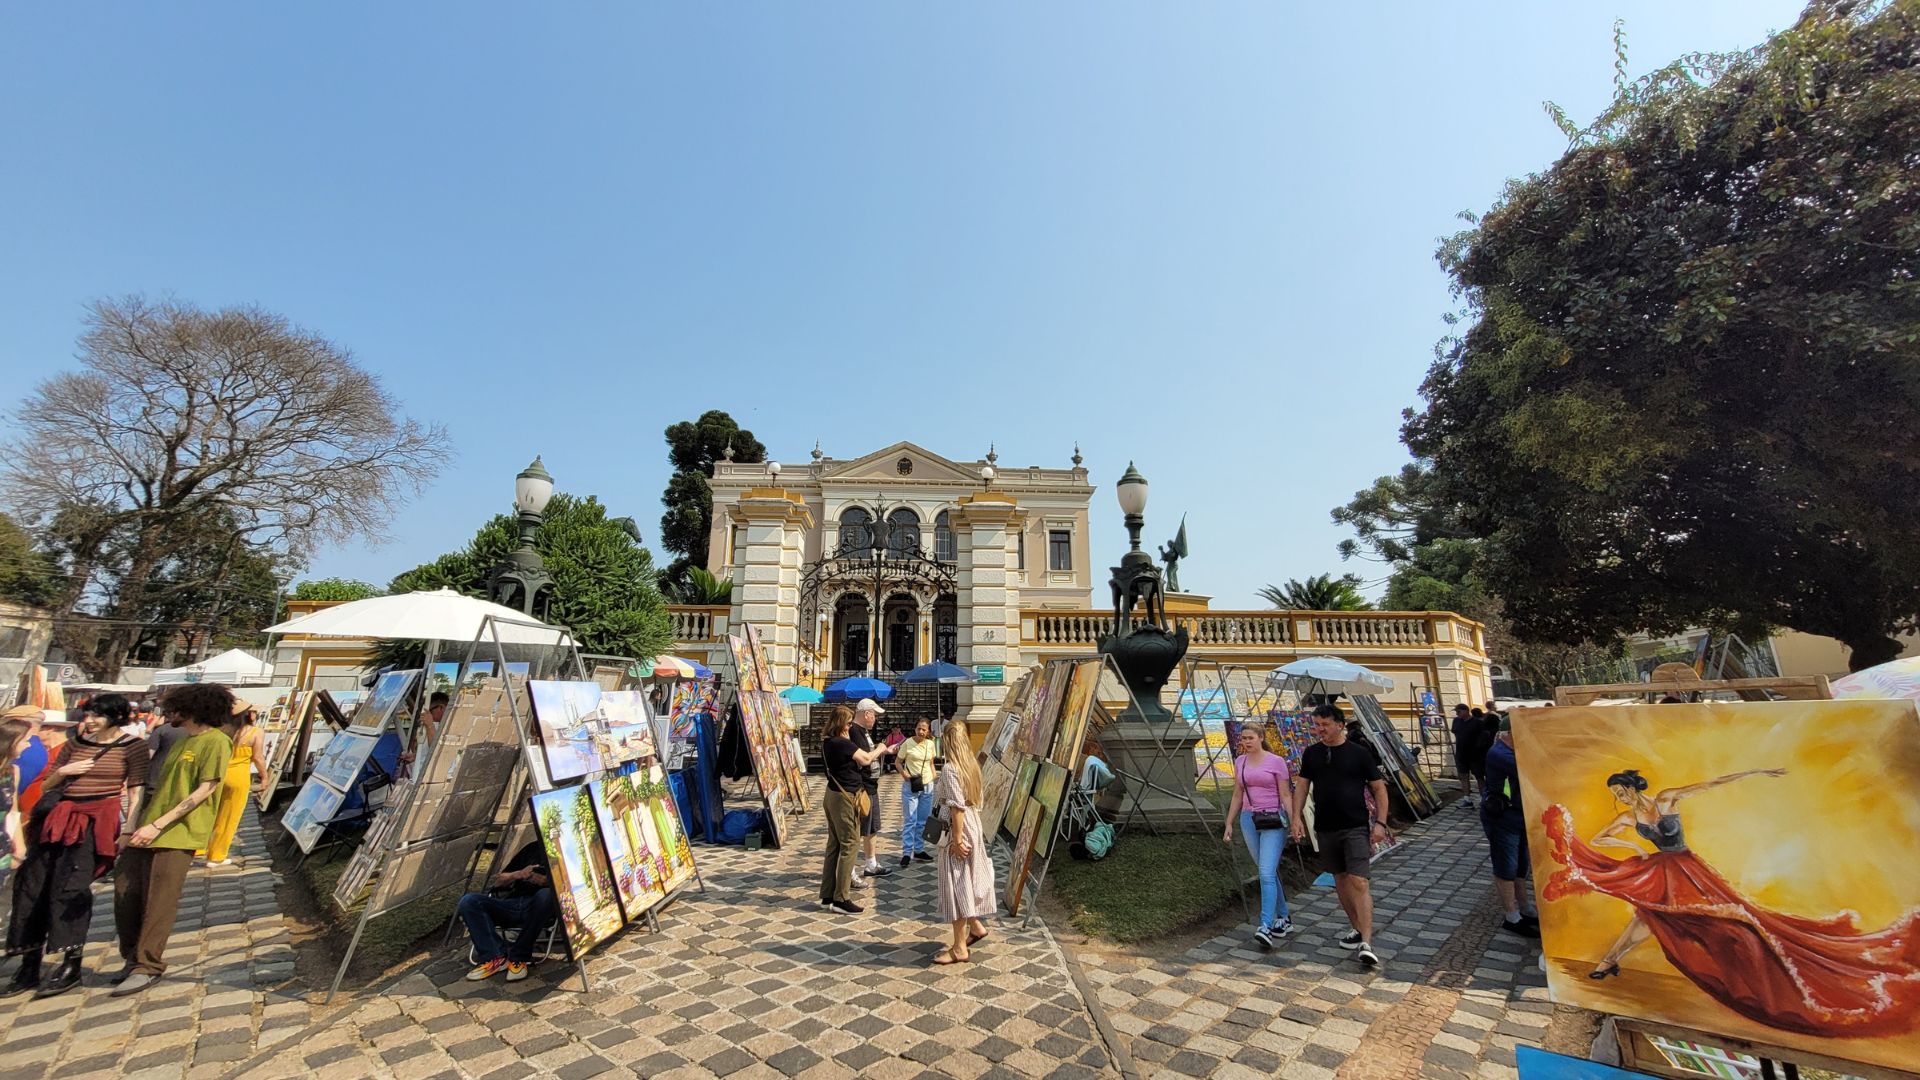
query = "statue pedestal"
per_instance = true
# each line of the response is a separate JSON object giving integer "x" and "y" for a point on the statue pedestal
{"x": 1188, "y": 603}
{"x": 1162, "y": 753}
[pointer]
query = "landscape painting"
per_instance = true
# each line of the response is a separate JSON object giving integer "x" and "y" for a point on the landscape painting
{"x": 1020, "y": 797}
{"x": 1743, "y": 868}
{"x": 307, "y": 816}
{"x": 385, "y": 699}
{"x": 667, "y": 827}
{"x": 633, "y": 848}
{"x": 629, "y": 730}
{"x": 1070, "y": 732}
{"x": 583, "y": 877}
{"x": 572, "y": 730}
{"x": 1020, "y": 862}
{"x": 344, "y": 758}
{"x": 996, "y": 788}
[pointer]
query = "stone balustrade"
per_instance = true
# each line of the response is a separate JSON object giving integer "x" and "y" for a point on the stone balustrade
{"x": 695, "y": 624}
{"x": 1251, "y": 629}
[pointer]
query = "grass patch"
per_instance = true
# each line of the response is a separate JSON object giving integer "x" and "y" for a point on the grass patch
{"x": 1149, "y": 886}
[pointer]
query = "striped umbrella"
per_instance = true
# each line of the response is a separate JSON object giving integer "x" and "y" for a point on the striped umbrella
{"x": 672, "y": 667}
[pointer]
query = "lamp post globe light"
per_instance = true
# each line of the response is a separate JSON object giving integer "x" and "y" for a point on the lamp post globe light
{"x": 1146, "y": 654}
{"x": 521, "y": 580}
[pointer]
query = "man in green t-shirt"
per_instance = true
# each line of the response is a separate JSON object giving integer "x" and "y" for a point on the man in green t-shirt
{"x": 177, "y": 820}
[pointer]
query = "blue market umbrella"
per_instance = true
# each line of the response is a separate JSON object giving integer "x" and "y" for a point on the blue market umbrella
{"x": 939, "y": 672}
{"x": 859, "y": 686}
{"x": 802, "y": 695}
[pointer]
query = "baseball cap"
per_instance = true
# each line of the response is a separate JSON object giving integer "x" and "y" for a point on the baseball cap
{"x": 1506, "y": 723}
{"x": 867, "y": 704}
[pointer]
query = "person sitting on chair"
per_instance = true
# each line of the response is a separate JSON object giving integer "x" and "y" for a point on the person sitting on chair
{"x": 522, "y": 896}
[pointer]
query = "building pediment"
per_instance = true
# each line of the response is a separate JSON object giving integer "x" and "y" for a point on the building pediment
{"x": 902, "y": 461}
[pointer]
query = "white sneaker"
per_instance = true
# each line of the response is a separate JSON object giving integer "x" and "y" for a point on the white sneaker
{"x": 1367, "y": 956}
{"x": 860, "y": 881}
{"x": 1285, "y": 928}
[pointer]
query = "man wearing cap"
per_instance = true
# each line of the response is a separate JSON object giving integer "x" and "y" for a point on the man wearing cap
{"x": 1505, "y": 822}
{"x": 865, "y": 715}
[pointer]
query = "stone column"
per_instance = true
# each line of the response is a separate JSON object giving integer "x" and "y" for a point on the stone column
{"x": 987, "y": 619}
{"x": 768, "y": 592}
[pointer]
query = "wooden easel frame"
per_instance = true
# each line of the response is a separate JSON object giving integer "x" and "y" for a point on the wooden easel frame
{"x": 1680, "y": 680}
{"x": 1638, "y": 1053}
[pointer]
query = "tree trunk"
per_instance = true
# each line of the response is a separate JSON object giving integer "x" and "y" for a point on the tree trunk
{"x": 126, "y": 606}
{"x": 1870, "y": 648}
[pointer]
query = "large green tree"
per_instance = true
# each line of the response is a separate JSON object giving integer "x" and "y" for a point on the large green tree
{"x": 1687, "y": 388}
{"x": 605, "y": 585}
{"x": 27, "y": 574}
{"x": 334, "y": 588}
{"x": 692, "y": 447}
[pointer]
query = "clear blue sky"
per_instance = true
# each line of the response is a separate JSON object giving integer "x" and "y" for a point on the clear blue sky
{"x": 1196, "y": 236}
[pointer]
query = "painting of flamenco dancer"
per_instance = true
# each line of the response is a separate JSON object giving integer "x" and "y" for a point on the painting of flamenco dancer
{"x": 1750, "y": 869}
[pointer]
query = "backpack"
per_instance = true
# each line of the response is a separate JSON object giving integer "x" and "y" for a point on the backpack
{"x": 1094, "y": 845}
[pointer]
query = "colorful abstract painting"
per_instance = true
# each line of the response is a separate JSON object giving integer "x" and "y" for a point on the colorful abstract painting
{"x": 1749, "y": 869}
{"x": 572, "y": 729}
{"x": 583, "y": 876}
{"x": 629, "y": 730}
{"x": 762, "y": 671}
{"x": 1036, "y": 733}
{"x": 691, "y": 699}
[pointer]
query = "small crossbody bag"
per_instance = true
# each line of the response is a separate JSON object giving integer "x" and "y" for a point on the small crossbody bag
{"x": 1264, "y": 820}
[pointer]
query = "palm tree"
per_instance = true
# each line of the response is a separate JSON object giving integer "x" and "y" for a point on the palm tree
{"x": 1322, "y": 593}
{"x": 701, "y": 587}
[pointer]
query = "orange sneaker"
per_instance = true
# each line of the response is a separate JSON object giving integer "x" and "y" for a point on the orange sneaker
{"x": 516, "y": 971}
{"x": 487, "y": 970}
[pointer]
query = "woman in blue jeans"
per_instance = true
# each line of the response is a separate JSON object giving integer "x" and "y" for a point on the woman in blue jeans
{"x": 914, "y": 761}
{"x": 1262, "y": 785}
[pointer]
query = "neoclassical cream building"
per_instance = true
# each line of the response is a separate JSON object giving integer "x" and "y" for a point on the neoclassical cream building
{"x": 898, "y": 557}
{"x": 991, "y": 566}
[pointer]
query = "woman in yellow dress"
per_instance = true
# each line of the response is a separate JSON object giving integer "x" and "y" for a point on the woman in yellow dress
{"x": 249, "y": 755}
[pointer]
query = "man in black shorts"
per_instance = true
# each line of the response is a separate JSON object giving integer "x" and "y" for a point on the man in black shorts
{"x": 1339, "y": 771}
{"x": 1466, "y": 731}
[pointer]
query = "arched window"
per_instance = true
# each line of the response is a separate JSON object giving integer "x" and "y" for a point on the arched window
{"x": 856, "y": 531}
{"x": 903, "y": 532}
{"x": 943, "y": 548}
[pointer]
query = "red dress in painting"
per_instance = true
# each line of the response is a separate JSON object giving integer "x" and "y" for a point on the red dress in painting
{"x": 1811, "y": 976}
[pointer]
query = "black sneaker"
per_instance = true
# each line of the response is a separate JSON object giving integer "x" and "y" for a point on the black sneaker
{"x": 878, "y": 871}
{"x": 847, "y": 906}
{"x": 1522, "y": 928}
{"x": 1348, "y": 940}
{"x": 922, "y": 856}
{"x": 1263, "y": 938}
{"x": 122, "y": 977}
{"x": 906, "y": 861}
{"x": 1367, "y": 956}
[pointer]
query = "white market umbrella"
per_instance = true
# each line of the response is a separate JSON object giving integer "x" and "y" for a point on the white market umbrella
{"x": 235, "y": 667}
{"x": 1332, "y": 676}
{"x": 1894, "y": 679}
{"x": 440, "y": 615}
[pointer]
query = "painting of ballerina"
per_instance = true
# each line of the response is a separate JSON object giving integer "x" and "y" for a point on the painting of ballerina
{"x": 1747, "y": 868}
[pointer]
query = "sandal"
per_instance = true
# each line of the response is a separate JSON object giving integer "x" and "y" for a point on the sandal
{"x": 975, "y": 939}
{"x": 948, "y": 956}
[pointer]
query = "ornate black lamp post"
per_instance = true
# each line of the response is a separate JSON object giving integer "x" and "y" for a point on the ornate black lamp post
{"x": 521, "y": 581}
{"x": 1146, "y": 654}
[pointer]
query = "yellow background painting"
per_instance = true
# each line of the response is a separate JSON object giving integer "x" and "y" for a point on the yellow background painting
{"x": 1840, "y": 832}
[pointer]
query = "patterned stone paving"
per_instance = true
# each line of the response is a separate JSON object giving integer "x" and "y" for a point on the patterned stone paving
{"x": 751, "y": 978}
{"x": 1452, "y": 998}
{"x": 223, "y": 998}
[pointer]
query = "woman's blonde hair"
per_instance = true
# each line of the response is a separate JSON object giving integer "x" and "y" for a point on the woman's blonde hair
{"x": 957, "y": 748}
{"x": 838, "y": 721}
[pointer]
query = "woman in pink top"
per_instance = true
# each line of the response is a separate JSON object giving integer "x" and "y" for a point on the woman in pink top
{"x": 1262, "y": 788}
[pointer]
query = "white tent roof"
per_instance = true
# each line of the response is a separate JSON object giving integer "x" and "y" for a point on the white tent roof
{"x": 1333, "y": 676}
{"x": 233, "y": 667}
{"x": 440, "y": 615}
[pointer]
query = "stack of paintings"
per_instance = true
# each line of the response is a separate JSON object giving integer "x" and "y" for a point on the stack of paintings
{"x": 1036, "y": 742}
{"x": 765, "y": 721}
{"x": 341, "y": 762}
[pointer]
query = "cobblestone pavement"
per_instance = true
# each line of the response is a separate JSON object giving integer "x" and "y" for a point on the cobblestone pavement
{"x": 750, "y": 978}
{"x": 222, "y": 999}
{"x": 1452, "y": 997}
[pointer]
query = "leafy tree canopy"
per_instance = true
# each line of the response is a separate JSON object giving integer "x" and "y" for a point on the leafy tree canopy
{"x": 27, "y": 575}
{"x": 334, "y": 588}
{"x": 1322, "y": 593}
{"x": 605, "y": 589}
{"x": 692, "y": 448}
{"x": 1688, "y": 386}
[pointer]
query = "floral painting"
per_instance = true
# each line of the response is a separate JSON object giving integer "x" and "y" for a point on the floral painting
{"x": 634, "y": 849}
{"x": 583, "y": 876}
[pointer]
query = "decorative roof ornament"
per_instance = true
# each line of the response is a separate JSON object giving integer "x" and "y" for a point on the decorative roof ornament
{"x": 816, "y": 450}
{"x": 992, "y": 458}
{"x": 1077, "y": 459}
{"x": 728, "y": 452}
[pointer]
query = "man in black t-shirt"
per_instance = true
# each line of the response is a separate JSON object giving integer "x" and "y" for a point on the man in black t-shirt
{"x": 1466, "y": 731}
{"x": 522, "y": 896}
{"x": 1339, "y": 772}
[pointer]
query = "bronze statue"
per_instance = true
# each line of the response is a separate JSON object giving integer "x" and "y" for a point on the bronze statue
{"x": 1172, "y": 553}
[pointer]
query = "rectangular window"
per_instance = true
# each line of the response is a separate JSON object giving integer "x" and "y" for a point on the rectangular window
{"x": 1020, "y": 550}
{"x": 1059, "y": 549}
